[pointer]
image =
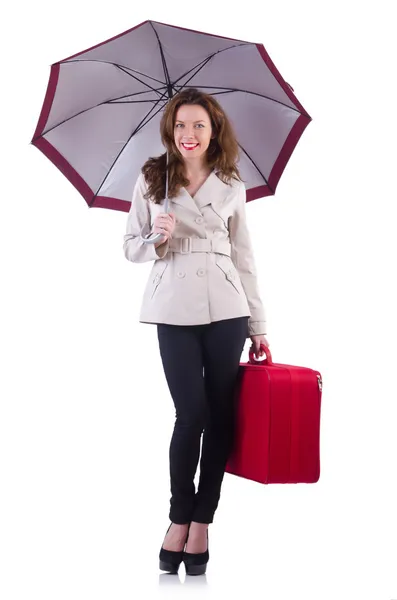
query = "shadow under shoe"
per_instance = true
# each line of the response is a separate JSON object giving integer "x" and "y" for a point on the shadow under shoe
{"x": 170, "y": 560}
{"x": 196, "y": 564}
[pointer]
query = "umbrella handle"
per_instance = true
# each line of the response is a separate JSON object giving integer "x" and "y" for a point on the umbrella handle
{"x": 158, "y": 236}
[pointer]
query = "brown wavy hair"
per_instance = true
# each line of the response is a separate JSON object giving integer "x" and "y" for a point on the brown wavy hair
{"x": 222, "y": 153}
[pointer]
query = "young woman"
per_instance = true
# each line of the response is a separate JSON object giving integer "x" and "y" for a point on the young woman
{"x": 203, "y": 295}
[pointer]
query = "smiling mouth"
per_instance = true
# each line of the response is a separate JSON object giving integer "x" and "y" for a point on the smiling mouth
{"x": 189, "y": 146}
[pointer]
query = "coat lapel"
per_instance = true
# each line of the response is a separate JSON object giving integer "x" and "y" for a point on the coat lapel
{"x": 185, "y": 200}
{"x": 213, "y": 191}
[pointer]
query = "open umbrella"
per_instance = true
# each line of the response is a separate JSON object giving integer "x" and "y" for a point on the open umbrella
{"x": 100, "y": 118}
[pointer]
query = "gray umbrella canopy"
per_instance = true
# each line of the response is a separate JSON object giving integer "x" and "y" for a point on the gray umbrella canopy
{"x": 101, "y": 114}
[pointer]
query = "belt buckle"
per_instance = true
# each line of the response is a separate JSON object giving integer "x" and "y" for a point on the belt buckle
{"x": 186, "y": 248}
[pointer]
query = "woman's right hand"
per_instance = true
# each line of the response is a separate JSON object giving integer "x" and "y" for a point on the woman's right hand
{"x": 164, "y": 223}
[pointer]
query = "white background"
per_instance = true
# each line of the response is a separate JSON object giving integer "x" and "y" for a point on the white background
{"x": 86, "y": 416}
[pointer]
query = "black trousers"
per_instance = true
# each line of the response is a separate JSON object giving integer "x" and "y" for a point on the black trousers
{"x": 201, "y": 364}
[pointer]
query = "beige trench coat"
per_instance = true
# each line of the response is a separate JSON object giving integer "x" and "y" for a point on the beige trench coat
{"x": 207, "y": 271}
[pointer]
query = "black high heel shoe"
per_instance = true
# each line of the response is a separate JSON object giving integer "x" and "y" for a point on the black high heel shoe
{"x": 196, "y": 564}
{"x": 170, "y": 559}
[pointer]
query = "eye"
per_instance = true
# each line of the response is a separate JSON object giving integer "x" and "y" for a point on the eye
{"x": 179, "y": 125}
{"x": 200, "y": 125}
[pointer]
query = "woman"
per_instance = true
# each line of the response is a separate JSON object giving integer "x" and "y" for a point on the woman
{"x": 203, "y": 295}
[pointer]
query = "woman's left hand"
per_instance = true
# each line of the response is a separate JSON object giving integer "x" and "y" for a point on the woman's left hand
{"x": 257, "y": 340}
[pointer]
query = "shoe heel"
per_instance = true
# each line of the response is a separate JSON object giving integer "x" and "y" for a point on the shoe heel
{"x": 169, "y": 567}
{"x": 196, "y": 569}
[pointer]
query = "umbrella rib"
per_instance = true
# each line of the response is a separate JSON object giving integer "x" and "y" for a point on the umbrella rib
{"x": 111, "y": 101}
{"x": 119, "y": 101}
{"x": 206, "y": 60}
{"x": 108, "y": 62}
{"x": 255, "y": 165}
{"x": 143, "y": 122}
{"x": 158, "y": 91}
{"x": 166, "y": 74}
{"x": 137, "y": 78}
{"x": 138, "y": 127}
{"x": 194, "y": 74}
{"x": 218, "y": 87}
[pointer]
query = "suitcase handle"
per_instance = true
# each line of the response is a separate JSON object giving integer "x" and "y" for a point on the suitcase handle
{"x": 254, "y": 361}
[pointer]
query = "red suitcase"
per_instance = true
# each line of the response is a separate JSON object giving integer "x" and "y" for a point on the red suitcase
{"x": 277, "y": 437}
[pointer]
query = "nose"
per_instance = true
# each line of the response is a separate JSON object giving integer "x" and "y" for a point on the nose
{"x": 189, "y": 133}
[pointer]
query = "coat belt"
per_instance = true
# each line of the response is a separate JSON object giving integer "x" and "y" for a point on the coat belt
{"x": 190, "y": 244}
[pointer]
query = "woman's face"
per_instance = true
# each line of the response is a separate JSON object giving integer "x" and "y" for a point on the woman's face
{"x": 193, "y": 131}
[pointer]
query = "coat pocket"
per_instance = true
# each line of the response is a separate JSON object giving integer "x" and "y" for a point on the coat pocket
{"x": 157, "y": 275}
{"x": 229, "y": 270}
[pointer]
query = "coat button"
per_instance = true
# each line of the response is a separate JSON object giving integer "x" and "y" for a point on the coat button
{"x": 181, "y": 274}
{"x": 230, "y": 275}
{"x": 201, "y": 272}
{"x": 199, "y": 220}
{"x": 156, "y": 278}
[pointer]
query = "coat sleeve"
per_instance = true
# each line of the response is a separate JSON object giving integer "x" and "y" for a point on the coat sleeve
{"x": 138, "y": 223}
{"x": 243, "y": 259}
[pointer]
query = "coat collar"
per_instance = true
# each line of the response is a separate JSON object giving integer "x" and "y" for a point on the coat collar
{"x": 213, "y": 191}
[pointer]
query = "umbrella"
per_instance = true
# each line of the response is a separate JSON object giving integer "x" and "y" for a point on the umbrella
{"x": 101, "y": 113}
